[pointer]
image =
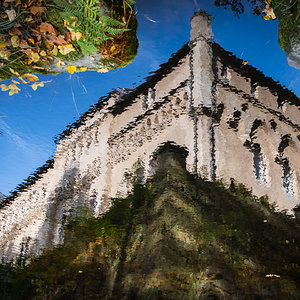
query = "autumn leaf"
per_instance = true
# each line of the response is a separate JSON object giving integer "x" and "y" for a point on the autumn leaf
{"x": 15, "y": 31}
{"x": 245, "y": 62}
{"x": 71, "y": 69}
{"x": 11, "y": 14}
{"x": 4, "y": 88}
{"x": 15, "y": 81}
{"x": 30, "y": 77}
{"x": 14, "y": 72}
{"x": 47, "y": 27}
{"x": 267, "y": 17}
{"x": 102, "y": 70}
{"x": 13, "y": 89}
{"x": 23, "y": 81}
{"x": 83, "y": 68}
{"x": 37, "y": 10}
{"x": 15, "y": 41}
{"x": 65, "y": 49}
{"x": 43, "y": 53}
{"x": 35, "y": 57}
{"x": 23, "y": 44}
{"x": 3, "y": 45}
{"x": 35, "y": 85}
{"x": 4, "y": 53}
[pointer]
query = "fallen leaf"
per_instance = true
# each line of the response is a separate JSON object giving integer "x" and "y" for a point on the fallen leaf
{"x": 102, "y": 70}
{"x": 35, "y": 57}
{"x": 245, "y": 62}
{"x": 14, "y": 72}
{"x": 43, "y": 53}
{"x": 83, "y": 68}
{"x": 47, "y": 27}
{"x": 3, "y": 45}
{"x": 65, "y": 49}
{"x": 23, "y": 81}
{"x": 38, "y": 68}
{"x": 71, "y": 69}
{"x": 4, "y": 88}
{"x": 37, "y": 9}
{"x": 54, "y": 51}
{"x": 15, "y": 31}
{"x": 31, "y": 40}
{"x": 30, "y": 77}
{"x": 15, "y": 41}
{"x": 59, "y": 40}
{"x": 24, "y": 44}
{"x": 58, "y": 63}
{"x": 35, "y": 85}
{"x": 13, "y": 89}
{"x": 4, "y": 53}
{"x": 15, "y": 81}
{"x": 267, "y": 17}
{"x": 11, "y": 14}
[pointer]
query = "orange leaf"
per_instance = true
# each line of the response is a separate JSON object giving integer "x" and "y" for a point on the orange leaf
{"x": 245, "y": 62}
{"x": 47, "y": 27}
{"x": 37, "y": 10}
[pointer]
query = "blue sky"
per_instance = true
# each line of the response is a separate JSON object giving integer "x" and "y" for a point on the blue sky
{"x": 31, "y": 119}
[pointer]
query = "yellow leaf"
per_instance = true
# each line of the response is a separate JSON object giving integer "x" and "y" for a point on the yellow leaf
{"x": 83, "y": 68}
{"x": 245, "y": 62}
{"x": 23, "y": 81}
{"x": 65, "y": 49}
{"x": 34, "y": 86}
{"x": 71, "y": 69}
{"x": 103, "y": 70}
{"x": 3, "y": 45}
{"x": 38, "y": 68}
{"x": 58, "y": 63}
{"x": 112, "y": 48}
{"x": 43, "y": 53}
{"x": 37, "y": 84}
{"x": 15, "y": 41}
{"x": 15, "y": 81}
{"x": 14, "y": 72}
{"x": 35, "y": 57}
{"x": 31, "y": 41}
{"x": 55, "y": 51}
{"x": 3, "y": 87}
{"x": 267, "y": 18}
{"x": 30, "y": 77}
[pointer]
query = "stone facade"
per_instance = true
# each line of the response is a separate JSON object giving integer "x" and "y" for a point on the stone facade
{"x": 233, "y": 121}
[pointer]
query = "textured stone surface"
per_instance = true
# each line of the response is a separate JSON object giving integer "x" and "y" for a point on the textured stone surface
{"x": 231, "y": 125}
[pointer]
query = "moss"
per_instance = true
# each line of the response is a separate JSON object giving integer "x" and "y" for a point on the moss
{"x": 168, "y": 242}
{"x": 286, "y": 24}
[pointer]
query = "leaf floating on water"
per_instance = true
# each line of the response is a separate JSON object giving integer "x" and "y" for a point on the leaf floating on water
{"x": 4, "y": 87}
{"x": 71, "y": 69}
{"x": 37, "y": 84}
{"x": 31, "y": 77}
{"x": 245, "y": 62}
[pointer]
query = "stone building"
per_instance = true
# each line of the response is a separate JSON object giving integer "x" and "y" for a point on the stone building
{"x": 233, "y": 121}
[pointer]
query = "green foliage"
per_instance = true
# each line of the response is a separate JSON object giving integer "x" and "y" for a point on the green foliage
{"x": 237, "y": 235}
{"x": 90, "y": 22}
